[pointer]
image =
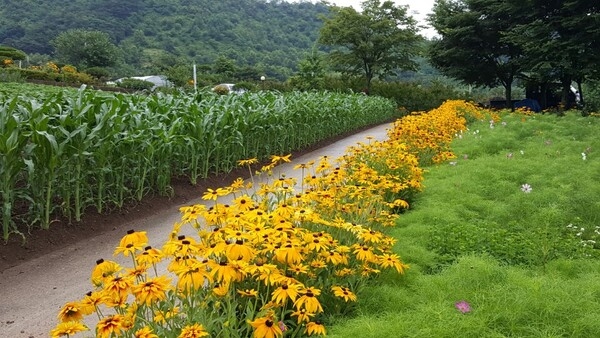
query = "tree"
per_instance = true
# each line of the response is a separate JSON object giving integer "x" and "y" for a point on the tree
{"x": 225, "y": 67}
{"x": 311, "y": 72}
{"x": 84, "y": 49}
{"x": 560, "y": 40}
{"x": 9, "y": 53}
{"x": 471, "y": 46}
{"x": 376, "y": 42}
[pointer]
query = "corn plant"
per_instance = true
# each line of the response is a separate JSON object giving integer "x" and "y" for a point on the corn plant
{"x": 13, "y": 141}
{"x": 65, "y": 152}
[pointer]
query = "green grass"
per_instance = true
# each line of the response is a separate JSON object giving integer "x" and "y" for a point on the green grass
{"x": 473, "y": 235}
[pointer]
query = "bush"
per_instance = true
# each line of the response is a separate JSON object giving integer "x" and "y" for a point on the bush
{"x": 98, "y": 73}
{"x": 221, "y": 89}
{"x": 11, "y": 75}
{"x": 135, "y": 84}
{"x": 415, "y": 96}
{"x": 411, "y": 96}
{"x": 245, "y": 85}
{"x": 40, "y": 75}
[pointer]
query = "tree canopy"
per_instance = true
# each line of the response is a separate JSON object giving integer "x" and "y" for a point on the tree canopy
{"x": 490, "y": 42}
{"x": 9, "y": 53}
{"x": 85, "y": 49}
{"x": 380, "y": 40}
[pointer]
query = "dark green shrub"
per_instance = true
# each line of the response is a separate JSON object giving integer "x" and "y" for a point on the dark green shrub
{"x": 76, "y": 78}
{"x": 416, "y": 96}
{"x": 40, "y": 75}
{"x": 245, "y": 85}
{"x": 98, "y": 72}
{"x": 411, "y": 96}
{"x": 135, "y": 84}
{"x": 11, "y": 75}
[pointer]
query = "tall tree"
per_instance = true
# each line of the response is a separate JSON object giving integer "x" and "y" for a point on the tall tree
{"x": 471, "y": 46}
{"x": 560, "y": 40}
{"x": 375, "y": 42}
{"x": 311, "y": 72}
{"x": 84, "y": 49}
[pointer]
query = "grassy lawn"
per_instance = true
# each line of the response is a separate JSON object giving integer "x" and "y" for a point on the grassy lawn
{"x": 509, "y": 227}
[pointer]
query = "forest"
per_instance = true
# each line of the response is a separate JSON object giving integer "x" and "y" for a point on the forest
{"x": 271, "y": 36}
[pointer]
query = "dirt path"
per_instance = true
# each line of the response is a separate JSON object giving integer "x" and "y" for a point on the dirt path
{"x": 32, "y": 292}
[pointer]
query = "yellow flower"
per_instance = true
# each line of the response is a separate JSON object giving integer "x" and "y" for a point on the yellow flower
{"x": 318, "y": 264}
{"x": 118, "y": 286}
{"x": 303, "y": 315}
{"x": 243, "y": 203}
{"x": 181, "y": 247}
{"x": 191, "y": 212}
{"x": 343, "y": 292}
{"x": 315, "y": 242}
{"x": 285, "y": 291}
{"x": 70, "y": 312}
{"x": 149, "y": 256}
{"x": 224, "y": 271}
{"x": 237, "y": 184}
{"x": 266, "y": 327}
{"x": 275, "y": 159}
{"x": 248, "y": 293}
{"x": 192, "y": 276}
{"x": 144, "y": 332}
{"x": 193, "y": 331}
{"x": 211, "y": 194}
{"x": 132, "y": 242}
{"x": 161, "y": 316}
{"x": 364, "y": 253}
{"x": 109, "y": 325}
{"x": 334, "y": 257}
{"x": 89, "y": 304}
{"x": 315, "y": 328}
{"x": 268, "y": 273}
{"x": 239, "y": 250}
{"x": 67, "y": 329}
{"x": 309, "y": 300}
{"x": 138, "y": 272}
{"x": 301, "y": 166}
{"x": 221, "y": 289}
{"x": 152, "y": 291}
{"x": 104, "y": 270}
{"x": 344, "y": 272}
{"x": 392, "y": 260}
{"x": 247, "y": 162}
{"x": 288, "y": 254}
{"x": 299, "y": 269}
{"x": 371, "y": 236}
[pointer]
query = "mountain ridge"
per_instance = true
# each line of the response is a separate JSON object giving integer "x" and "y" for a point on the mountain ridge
{"x": 271, "y": 35}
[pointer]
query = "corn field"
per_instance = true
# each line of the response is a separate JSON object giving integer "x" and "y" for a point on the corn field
{"x": 66, "y": 152}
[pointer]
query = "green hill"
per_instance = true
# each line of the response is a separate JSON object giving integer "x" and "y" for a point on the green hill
{"x": 268, "y": 35}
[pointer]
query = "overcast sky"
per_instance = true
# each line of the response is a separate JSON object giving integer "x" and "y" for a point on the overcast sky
{"x": 417, "y": 8}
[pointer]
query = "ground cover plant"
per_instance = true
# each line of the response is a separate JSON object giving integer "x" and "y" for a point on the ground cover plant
{"x": 501, "y": 242}
{"x": 65, "y": 152}
{"x": 281, "y": 259}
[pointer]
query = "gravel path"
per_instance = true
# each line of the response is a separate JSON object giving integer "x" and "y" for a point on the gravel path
{"x": 31, "y": 294}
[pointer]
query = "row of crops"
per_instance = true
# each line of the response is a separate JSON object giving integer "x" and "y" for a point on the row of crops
{"x": 65, "y": 152}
